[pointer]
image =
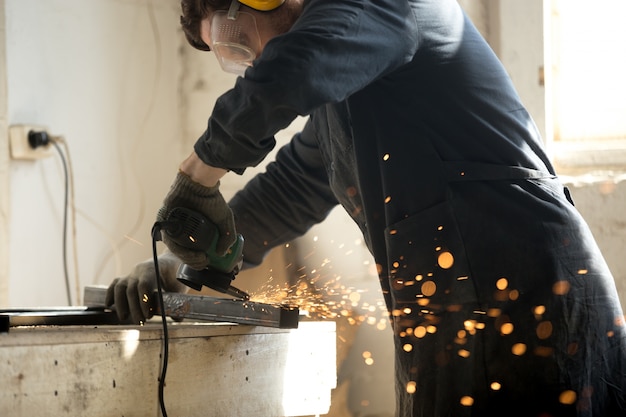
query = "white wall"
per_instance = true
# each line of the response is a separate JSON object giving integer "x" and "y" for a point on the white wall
{"x": 118, "y": 81}
{"x": 4, "y": 170}
{"x": 103, "y": 74}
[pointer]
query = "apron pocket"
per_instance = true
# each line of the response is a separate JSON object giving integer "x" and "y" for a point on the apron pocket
{"x": 429, "y": 270}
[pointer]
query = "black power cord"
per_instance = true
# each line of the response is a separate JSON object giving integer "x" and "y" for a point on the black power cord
{"x": 36, "y": 140}
{"x": 156, "y": 236}
{"x": 65, "y": 211}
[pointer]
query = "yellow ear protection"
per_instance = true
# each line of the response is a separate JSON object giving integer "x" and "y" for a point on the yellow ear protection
{"x": 262, "y": 5}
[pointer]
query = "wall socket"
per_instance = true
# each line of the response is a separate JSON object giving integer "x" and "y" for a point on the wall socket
{"x": 21, "y": 149}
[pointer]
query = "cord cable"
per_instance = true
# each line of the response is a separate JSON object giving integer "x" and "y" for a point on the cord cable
{"x": 156, "y": 236}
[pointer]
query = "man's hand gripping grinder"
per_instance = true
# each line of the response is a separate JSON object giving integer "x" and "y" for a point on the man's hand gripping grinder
{"x": 193, "y": 231}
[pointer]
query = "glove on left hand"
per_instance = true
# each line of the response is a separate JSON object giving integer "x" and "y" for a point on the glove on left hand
{"x": 132, "y": 294}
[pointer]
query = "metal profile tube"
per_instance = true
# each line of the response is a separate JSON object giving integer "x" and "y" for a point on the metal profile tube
{"x": 200, "y": 307}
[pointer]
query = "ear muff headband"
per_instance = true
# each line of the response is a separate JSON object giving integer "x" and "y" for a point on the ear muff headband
{"x": 262, "y": 5}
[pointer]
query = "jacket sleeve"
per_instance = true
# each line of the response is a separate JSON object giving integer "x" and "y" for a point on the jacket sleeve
{"x": 334, "y": 49}
{"x": 286, "y": 200}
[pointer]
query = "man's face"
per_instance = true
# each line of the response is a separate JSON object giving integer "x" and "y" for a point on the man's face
{"x": 238, "y": 39}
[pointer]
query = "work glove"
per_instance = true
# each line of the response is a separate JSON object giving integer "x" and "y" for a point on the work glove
{"x": 131, "y": 295}
{"x": 207, "y": 201}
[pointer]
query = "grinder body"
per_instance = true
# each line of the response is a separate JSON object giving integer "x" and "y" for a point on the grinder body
{"x": 192, "y": 230}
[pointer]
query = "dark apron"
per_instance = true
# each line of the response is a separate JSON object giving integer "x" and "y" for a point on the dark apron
{"x": 503, "y": 304}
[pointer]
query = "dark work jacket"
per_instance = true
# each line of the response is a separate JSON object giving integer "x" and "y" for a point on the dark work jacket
{"x": 501, "y": 301}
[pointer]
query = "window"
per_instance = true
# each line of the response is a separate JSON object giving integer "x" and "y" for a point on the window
{"x": 588, "y": 89}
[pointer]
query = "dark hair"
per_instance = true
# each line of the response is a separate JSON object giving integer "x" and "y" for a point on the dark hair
{"x": 194, "y": 11}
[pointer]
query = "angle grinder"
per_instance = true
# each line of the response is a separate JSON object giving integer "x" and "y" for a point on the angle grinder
{"x": 192, "y": 230}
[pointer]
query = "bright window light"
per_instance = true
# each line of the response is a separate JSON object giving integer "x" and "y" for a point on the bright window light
{"x": 589, "y": 70}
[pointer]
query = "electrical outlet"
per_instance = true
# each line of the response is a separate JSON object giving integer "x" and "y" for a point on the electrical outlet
{"x": 21, "y": 148}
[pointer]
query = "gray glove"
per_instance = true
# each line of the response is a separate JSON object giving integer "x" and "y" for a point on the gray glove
{"x": 132, "y": 294}
{"x": 207, "y": 201}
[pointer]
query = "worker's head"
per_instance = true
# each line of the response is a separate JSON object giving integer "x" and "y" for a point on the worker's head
{"x": 236, "y": 30}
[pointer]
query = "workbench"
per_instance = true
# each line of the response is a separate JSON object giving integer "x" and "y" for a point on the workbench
{"x": 215, "y": 369}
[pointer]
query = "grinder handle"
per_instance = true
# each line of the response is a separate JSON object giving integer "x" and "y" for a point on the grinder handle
{"x": 192, "y": 230}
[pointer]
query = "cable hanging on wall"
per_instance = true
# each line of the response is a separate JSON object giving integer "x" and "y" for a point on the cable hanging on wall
{"x": 42, "y": 138}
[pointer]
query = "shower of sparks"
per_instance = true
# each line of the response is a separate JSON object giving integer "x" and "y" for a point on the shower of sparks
{"x": 544, "y": 330}
{"x": 567, "y": 397}
{"x": 321, "y": 295}
{"x": 133, "y": 240}
{"x": 411, "y": 387}
{"x": 502, "y": 284}
{"x": 467, "y": 401}
{"x": 561, "y": 288}
{"x": 464, "y": 353}
{"x": 506, "y": 328}
{"x": 445, "y": 260}
{"x": 325, "y": 298}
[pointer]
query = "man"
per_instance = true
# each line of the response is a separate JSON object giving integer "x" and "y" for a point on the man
{"x": 501, "y": 301}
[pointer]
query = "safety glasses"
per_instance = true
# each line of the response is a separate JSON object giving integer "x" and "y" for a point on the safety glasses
{"x": 234, "y": 39}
